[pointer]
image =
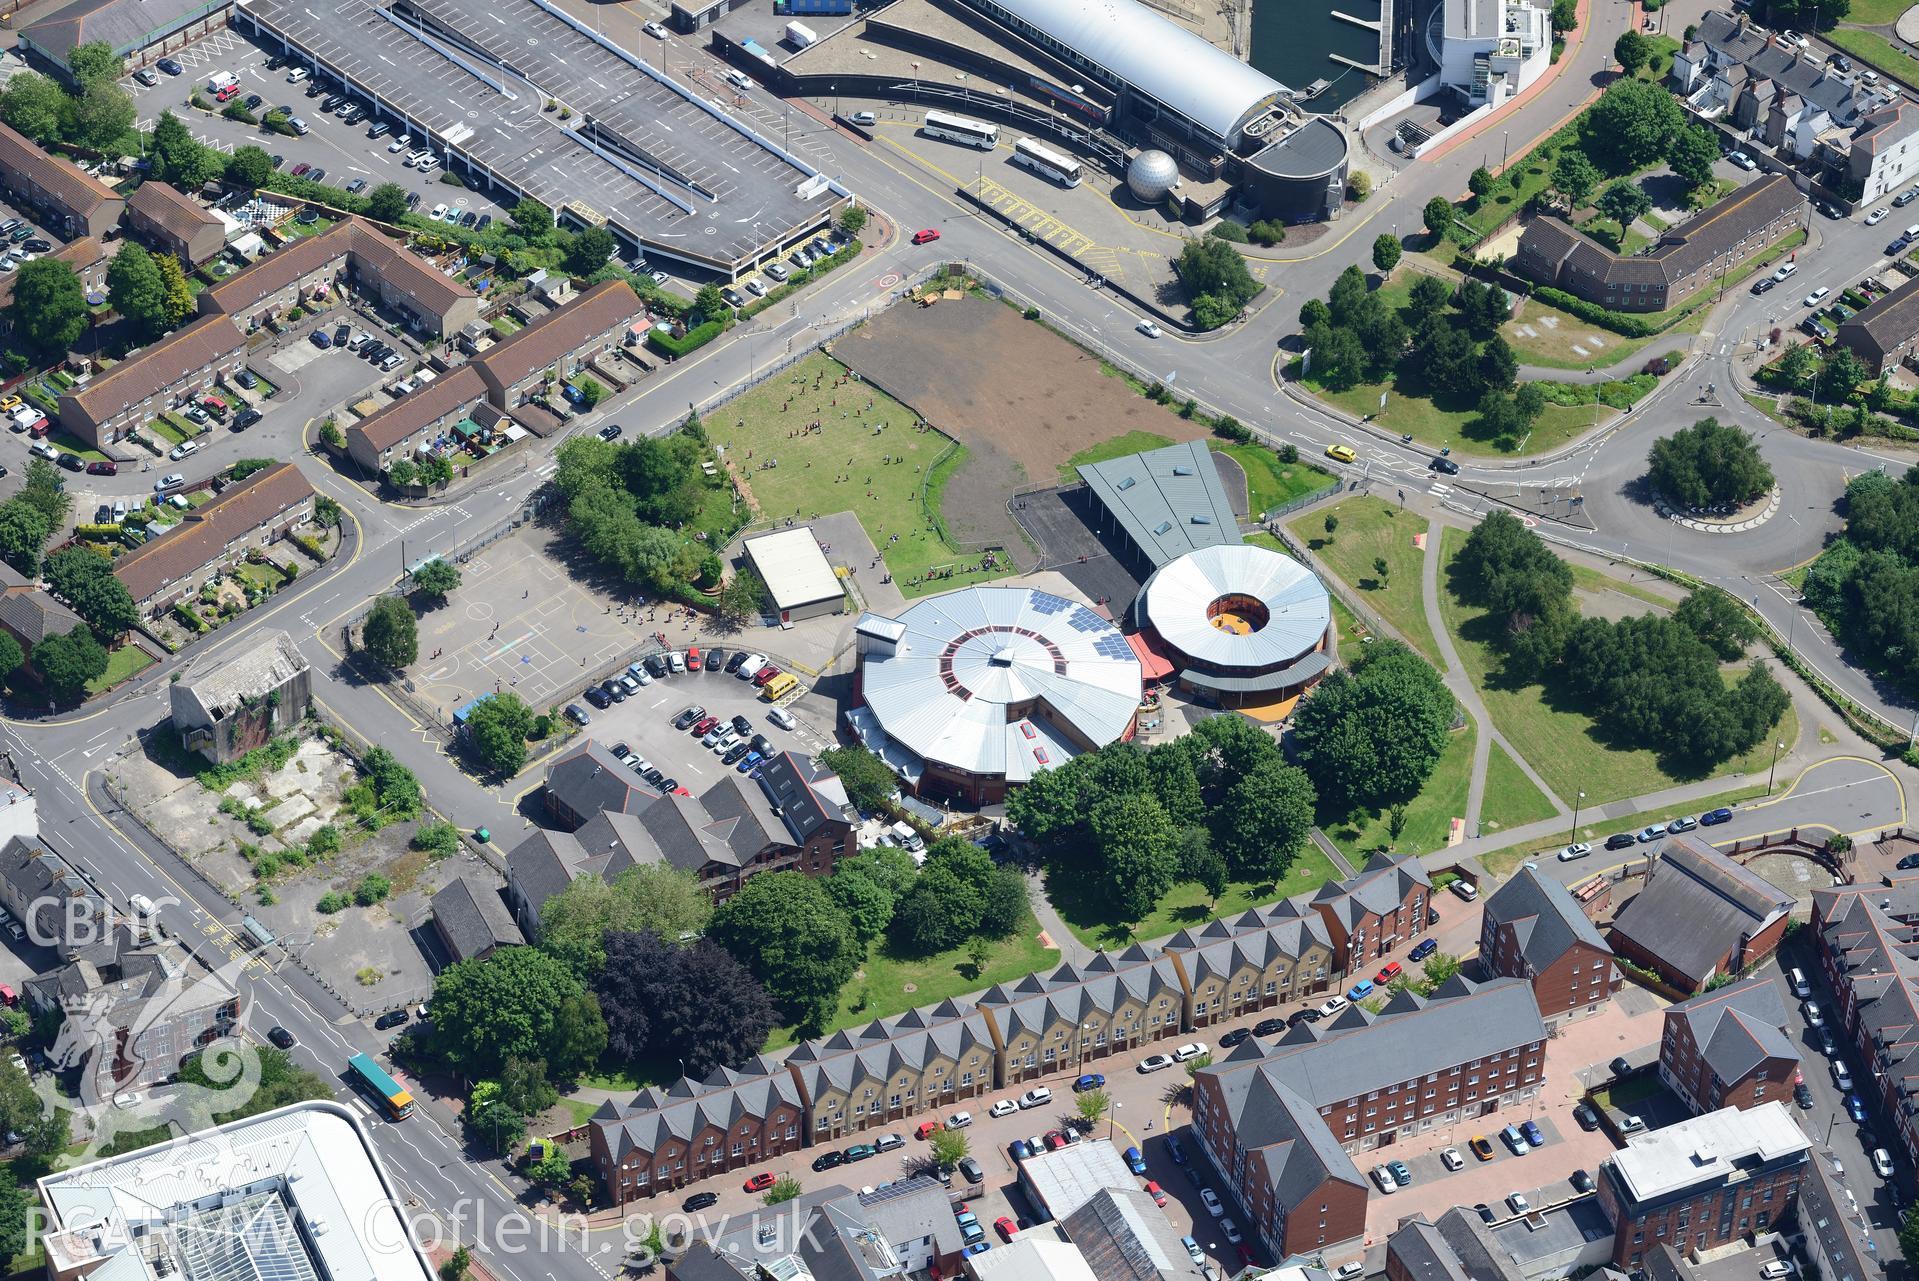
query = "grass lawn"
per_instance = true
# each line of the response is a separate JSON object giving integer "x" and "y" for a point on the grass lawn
{"x": 1429, "y": 815}
{"x": 1185, "y": 905}
{"x": 265, "y": 577}
{"x": 1133, "y": 442}
{"x": 883, "y": 990}
{"x": 1271, "y": 483}
{"x": 1370, "y": 528}
{"x": 1561, "y": 741}
{"x": 1663, "y": 48}
{"x": 1588, "y": 579}
{"x": 1876, "y": 13}
{"x": 1873, "y": 48}
{"x": 124, "y": 662}
{"x": 1796, "y": 576}
{"x": 803, "y": 485}
{"x": 74, "y": 445}
{"x": 1410, "y": 412}
{"x": 1512, "y": 799}
{"x": 1551, "y": 347}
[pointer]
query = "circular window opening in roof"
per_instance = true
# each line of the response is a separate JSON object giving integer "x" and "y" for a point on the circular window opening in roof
{"x": 1241, "y": 615}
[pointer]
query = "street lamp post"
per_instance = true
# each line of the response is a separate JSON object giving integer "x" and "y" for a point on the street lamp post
{"x": 1777, "y": 747}
{"x": 1576, "y": 804}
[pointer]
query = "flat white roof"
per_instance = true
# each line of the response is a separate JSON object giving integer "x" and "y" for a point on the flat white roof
{"x": 1706, "y": 1149}
{"x": 1181, "y": 598}
{"x": 795, "y": 569}
{"x": 1067, "y": 1179}
{"x": 312, "y": 1158}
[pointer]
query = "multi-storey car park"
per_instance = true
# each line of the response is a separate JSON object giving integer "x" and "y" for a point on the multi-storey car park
{"x": 665, "y": 171}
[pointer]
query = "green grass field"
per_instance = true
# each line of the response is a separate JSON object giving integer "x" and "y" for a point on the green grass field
{"x": 886, "y": 496}
{"x": 1551, "y": 346}
{"x": 1876, "y": 13}
{"x": 1588, "y": 579}
{"x": 1511, "y": 799}
{"x": 1133, "y": 442}
{"x": 1185, "y": 905}
{"x": 1271, "y": 483}
{"x": 1429, "y": 815}
{"x": 1562, "y": 742}
{"x": 1872, "y": 48}
{"x": 123, "y": 663}
{"x": 1370, "y": 528}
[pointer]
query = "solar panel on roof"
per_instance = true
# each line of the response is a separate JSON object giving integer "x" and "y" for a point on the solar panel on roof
{"x": 1047, "y": 603}
{"x": 1085, "y": 620}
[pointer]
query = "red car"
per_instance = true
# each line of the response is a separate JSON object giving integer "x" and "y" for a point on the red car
{"x": 1156, "y": 1192}
{"x": 1388, "y": 974}
{"x": 300, "y": 168}
{"x": 702, "y": 725}
{"x": 693, "y": 659}
{"x": 761, "y": 1181}
{"x": 925, "y": 237}
{"x": 928, "y": 1128}
{"x": 1004, "y": 1226}
{"x": 104, "y": 467}
{"x": 1055, "y": 1140}
{"x": 765, "y": 674}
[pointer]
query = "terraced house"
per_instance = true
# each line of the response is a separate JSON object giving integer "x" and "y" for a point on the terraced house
{"x": 1262, "y": 958}
{"x": 1354, "y": 1083}
{"x": 174, "y": 223}
{"x": 893, "y": 1068}
{"x": 1056, "y": 1022}
{"x": 667, "y": 1138}
{"x": 56, "y": 191}
{"x": 1868, "y": 938}
{"x": 1370, "y": 914}
{"x": 1534, "y": 929}
{"x": 250, "y": 514}
{"x": 126, "y": 397}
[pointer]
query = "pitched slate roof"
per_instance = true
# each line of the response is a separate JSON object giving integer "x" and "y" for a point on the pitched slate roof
{"x": 29, "y": 612}
{"x": 1696, "y": 905}
{"x": 542, "y": 865}
{"x": 160, "y": 365}
{"x": 1810, "y": 78}
{"x": 1545, "y": 918}
{"x": 1378, "y": 890}
{"x": 874, "y": 1053}
{"x": 40, "y": 877}
{"x": 1281, "y": 1129}
{"x": 170, "y": 209}
{"x": 1878, "y": 958}
{"x": 1885, "y": 323}
{"x": 1423, "y": 1254}
{"x": 473, "y": 918}
{"x": 81, "y": 193}
{"x": 1737, "y": 1027}
{"x": 1070, "y": 993}
{"x": 807, "y": 795}
{"x": 209, "y": 531}
{"x": 1256, "y": 938}
{"x": 681, "y": 1111}
{"x": 124, "y": 25}
{"x": 592, "y": 312}
{"x": 394, "y": 422}
{"x": 353, "y": 239}
{"x": 589, "y": 780}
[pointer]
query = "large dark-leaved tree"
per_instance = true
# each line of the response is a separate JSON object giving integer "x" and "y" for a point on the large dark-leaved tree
{"x": 1371, "y": 736}
{"x": 687, "y": 1001}
{"x": 784, "y": 928}
{"x": 84, "y": 579}
{"x": 517, "y": 1003}
{"x": 1708, "y": 462}
{"x": 67, "y": 662}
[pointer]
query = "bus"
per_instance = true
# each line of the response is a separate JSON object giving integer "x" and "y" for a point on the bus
{"x": 1046, "y": 162}
{"x": 974, "y": 133}
{"x": 373, "y": 1078}
{"x": 780, "y": 686}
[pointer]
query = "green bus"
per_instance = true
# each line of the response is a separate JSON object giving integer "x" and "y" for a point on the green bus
{"x": 373, "y": 1078}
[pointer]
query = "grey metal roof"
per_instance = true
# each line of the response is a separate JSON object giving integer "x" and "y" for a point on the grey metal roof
{"x": 1169, "y": 501}
{"x": 1125, "y": 1237}
{"x": 1317, "y": 147}
{"x": 1279, "y": 678}
{"x": 1696, "y": 905}
{"x": 1422, "y": 1254}
{"x": 126, "y": 25}
{"x": 1545, "y": 918}
{"x": 1153, "y": 55}
{"x": 969, "y": 657}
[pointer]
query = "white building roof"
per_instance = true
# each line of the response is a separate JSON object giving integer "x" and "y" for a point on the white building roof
{"x": 1036, "y": 1254}
{"x": 1180, "y": 598}
{"x": 1067, "y": 1179}
{"x": 1154, "y": 55}
{"x": 1706, "y": 1149}
{"x": 965, "y": 659}
{"x": 795, "y": 569}
{"x": 206, "y": 1206}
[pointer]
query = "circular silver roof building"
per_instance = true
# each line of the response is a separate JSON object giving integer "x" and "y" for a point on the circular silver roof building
{"x": 967, "y": 692}
{"x": 1152, "y": 175}
{"x": 1238, "y": 620}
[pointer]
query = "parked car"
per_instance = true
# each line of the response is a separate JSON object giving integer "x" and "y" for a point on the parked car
{"x": 1534, "y": 1135}
{"x": 1038, "y": 1096}
{"x": 1450, "y": 1158}
{"x": 1878, "y": 216}
{"x": 391, "y": 1019}
{"x": 1191, "y": 1050}
{"x": 1517, "y": 1202}
{"x": 1401, "y": 1175}
{"x": 1578, "y": 849}
{"x": 1581, "y": 1181}
{"x": 1333, "y": 1006}
{"x": 1425, "y": 948}
{"x": 1513, "y": 1139}
{"x": 1585, "y": 1116}
{"x": 1210, "y": 1199}
{"x": 1882, "y": 1163}
{"x": 761, "y": 1181}
{"x": 1384, "y": 1178}
{"x": 1481, "y": 1147}
{"x": 1089, "y": 1081}
{"x": 1155, "y": 1063}
{"x": 1620, "y": 841}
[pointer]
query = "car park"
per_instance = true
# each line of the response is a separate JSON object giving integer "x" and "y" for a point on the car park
{"x": 147, "y": 76}
{"x": 1533, "y": 1134}
{"x": 1514, "y": 1140}
{"x": 1581, "y": 1181}
{"x": 1384, "y": 1179}
{"x": 1481, "y": 1148}
{"x": 1585, "y": 1116}
{"x": 1450, "y": 1158}
{"x": 171, "y": 66}
{"x": 1517, "y": 1202}
{"x": 577, "y": 714}
{"x": 1401, "y": 1174}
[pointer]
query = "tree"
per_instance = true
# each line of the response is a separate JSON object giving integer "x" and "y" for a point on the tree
{"x": 784, "y": 1189}
{"x": 1565, "y": 16}
{"x": 784, "y": 928}
{"x": 1091, "y": 1106}
{"x": 490, "y": 1116}
{"x": 1200, "y": 863}
{"x": 1440, "y": 966}
{"x": 390, "y": 634}
{"x": 23, "y": 532}
{"x": 436, "y": 579}
{"x": 1264, "y": 822}
{"x": 181, "y": 159}
{"x": 249, "y": 167}
{"x": 1632, "y": 120}
{"x": 947, "y": 1147}
{"x": 67, "y": 662}
{"x": 94, "y": 63}
{"x": 1909, "y": 1236}
{"x": 1386, "y": 252}
{"x": 1693, "y": 153}
{"x": 179, "y": 302}
{"x": 101, "y": 115}
{"x": 1372, "y": 734}
{"x": 710, "y": 303}
{"x": 650, "y": 897}
{"x": 867, "y": 904}
{"x": 1330, "y": 525}
{"x": 1141, "y": 859}
{"x": 1708, "y": 463}
{"x": 589, "y": 250}
{"x": 1498, "y": 365}
{"x": 533, "y": 219}
{"x": 1716, "y": 618}
{"x": 1623, "y": 202}
{"x": 1631, "y": 51}
{"x": 869, "y": 783}
{"x": 742, "y": 599}
{"x": 1481, "y": 183}
{"x": 1574, "y": 176}
{"x": 937, "y": 913}
{"x": 135, "y": 289}
{"x": 455, "y": 1266}
{"x": 1217, "y": 280}
{"x": 498, "y": 727}
{"x": 852, "y": 221}
{"x": 15, "y": 1208}
{"x": 34, "y": 105}
{"x": 435, "y": 470}
{"x": 551, "y": 1167}
{"x": 690, "y": 1001}
{"x": 386, "y": 202}
{"x": 1438, "y": 215}
{"x": 49, "y": 309}
{"x": 84, "y": 579}
{"x": 1842, "y": 372}
{"x": 517, "y": 1003}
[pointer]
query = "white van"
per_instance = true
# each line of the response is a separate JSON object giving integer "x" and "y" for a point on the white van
{"x": 1800, "y": 987}
{"x": 221, "y": 79}
{"x": 908, "y": 838}
{"x": 142, "y": 905}
{"x": 296, "y": 75}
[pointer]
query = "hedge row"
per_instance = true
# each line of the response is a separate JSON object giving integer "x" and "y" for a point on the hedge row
{"x": 694, "y": 339}
{"x": 1619, "y": 322}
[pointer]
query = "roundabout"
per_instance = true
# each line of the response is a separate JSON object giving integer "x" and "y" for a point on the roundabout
{"x": 1749, "y": 517}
